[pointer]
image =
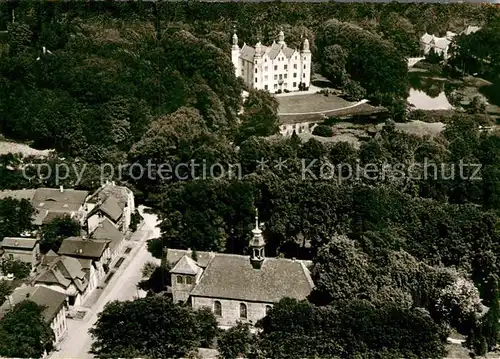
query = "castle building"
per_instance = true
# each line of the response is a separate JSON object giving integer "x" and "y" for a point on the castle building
{"x": 237, "y": 288}
{"x": 274, "y": 68}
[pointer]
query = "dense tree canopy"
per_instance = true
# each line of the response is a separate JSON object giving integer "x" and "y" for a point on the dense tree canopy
{"x": 151, "y": 327}
{"x": 24, "y": 332}
{"x": 54, "y": 233}
{"x": 15, "y": 217}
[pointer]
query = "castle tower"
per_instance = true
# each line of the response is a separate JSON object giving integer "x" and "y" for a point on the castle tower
{"x": 305, "y": 56}
{"x": 281, "y": 38}
{"x": 235, "y": 53}
{"x": 257, "y": 82}
{"x": 257, "y": 245}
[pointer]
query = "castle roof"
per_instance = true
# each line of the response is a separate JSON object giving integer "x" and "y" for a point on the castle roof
{"x": 248, "y": 52}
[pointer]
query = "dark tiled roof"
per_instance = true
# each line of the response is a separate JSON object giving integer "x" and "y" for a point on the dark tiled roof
{"x": 288, "y": 52}
{"x": 247, "y": 53}
{"x": 19, "y": 242}
{"x": 39, "y": 216}
{"x": 174, "y": 255}
{"x": 186, "y": 266}
{"x": 63, "y": 270}
{"x": 53, "y": 199}
{"x": 86, "y": 248}
{"x": 274, "y": 50}
{"x": 112, "y": 208}
{"x": 121, "y": 193}
{"x": 107, "y": 230}
{"x": 53, "y": 215}
{"x": 233, "y": 277}
{"x": 52, "y": 300}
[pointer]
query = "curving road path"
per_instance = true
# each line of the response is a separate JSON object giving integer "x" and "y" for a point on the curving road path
{"x": 121, "y": 287}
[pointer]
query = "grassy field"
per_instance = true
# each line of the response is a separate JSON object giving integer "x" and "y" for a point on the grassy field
{"x": 13, "y": 147}
{"x": 310, "y": 103}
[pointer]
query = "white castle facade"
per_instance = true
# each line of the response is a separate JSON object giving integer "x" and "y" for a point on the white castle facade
{"x": 275, "y": 68}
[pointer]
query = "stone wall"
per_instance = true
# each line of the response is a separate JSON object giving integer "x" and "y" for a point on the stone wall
{"x": 231, "y": 310}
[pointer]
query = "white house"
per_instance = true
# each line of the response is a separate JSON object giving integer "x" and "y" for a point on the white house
{"x": 54, "y": 303}
{"x": 441, "y": 45}
{"x": 113, "y": 202}
{"x": 273, "y": 68}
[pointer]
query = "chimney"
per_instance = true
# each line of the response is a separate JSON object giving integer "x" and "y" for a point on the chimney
{"x": 61, "y": 189}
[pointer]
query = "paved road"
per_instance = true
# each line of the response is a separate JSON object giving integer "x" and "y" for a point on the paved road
{"x": 121, "y": 287}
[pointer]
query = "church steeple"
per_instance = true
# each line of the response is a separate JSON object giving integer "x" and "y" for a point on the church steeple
{"x": 257, "y": 245}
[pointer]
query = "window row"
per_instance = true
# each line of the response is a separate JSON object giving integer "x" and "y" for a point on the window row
{"x": 281, "y": 77}
{"x": 285, "y": 85}
{"x": 243, "y": 310}
{"x": 185, "y": 279}
{"x": 285, "y": 67}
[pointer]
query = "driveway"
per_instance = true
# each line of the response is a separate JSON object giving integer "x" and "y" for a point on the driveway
{"x": 121, "y": 287}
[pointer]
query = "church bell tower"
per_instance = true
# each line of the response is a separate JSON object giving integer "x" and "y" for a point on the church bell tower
{"x": 257, "y": 245}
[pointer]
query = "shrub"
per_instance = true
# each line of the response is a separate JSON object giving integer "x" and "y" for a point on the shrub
{"x": 323, "y": 131}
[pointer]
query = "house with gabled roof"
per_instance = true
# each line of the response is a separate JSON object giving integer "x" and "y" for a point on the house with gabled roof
{"x": 50, "y": 203}
{"x": 237, "y": 288}
{"x": 54, "y": 303}
{"x": 93, "y": 251}
{"x": 116, "y": 203}
{"x": 66, "y": 275}
{"x": 108, "y": 231}
{"x": 24, "y": 249}
{"x": 274, "y": 68}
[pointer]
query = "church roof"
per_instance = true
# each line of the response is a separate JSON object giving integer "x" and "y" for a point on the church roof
{"x": 186, "y": 266}
{"x": 231, "y": 276}
{"x": 174, "y": 255}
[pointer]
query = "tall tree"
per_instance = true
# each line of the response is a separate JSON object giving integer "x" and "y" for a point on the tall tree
{"x": 260, "y": 115}
{"x": 24, "y": 332}
{"x": 149, "y": 327}
{"x": 54, "y": 233}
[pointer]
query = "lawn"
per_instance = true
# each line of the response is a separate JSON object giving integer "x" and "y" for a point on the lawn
{"x": 310, "y": 103}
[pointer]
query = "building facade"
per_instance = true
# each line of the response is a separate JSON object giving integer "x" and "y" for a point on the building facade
{"x": 24, "y": 249}
{"x": 274, "y": 68}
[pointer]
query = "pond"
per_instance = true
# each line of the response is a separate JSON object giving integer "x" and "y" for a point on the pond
{"x": 429, "y": 93}
{"x": 421, "y": 100}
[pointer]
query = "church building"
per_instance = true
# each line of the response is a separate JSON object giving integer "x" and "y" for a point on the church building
{"x": 237, "y": 288}
{"x": 275, "y": 68}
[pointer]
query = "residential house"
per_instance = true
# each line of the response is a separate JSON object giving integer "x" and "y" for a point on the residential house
{"x": 24, "y": 249}
{"x": 95, "y": 250}
{"x": 441, "y": 45}
{"x": 107, "y": 230}
{"x": 54, "y": 303}
{"x": 116, "y": 203}
{"x": 51, "y": 203}
{"x": 274, "y": 68}
{"x": 237, "y": 287}
{"x": 67, "y": 275}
